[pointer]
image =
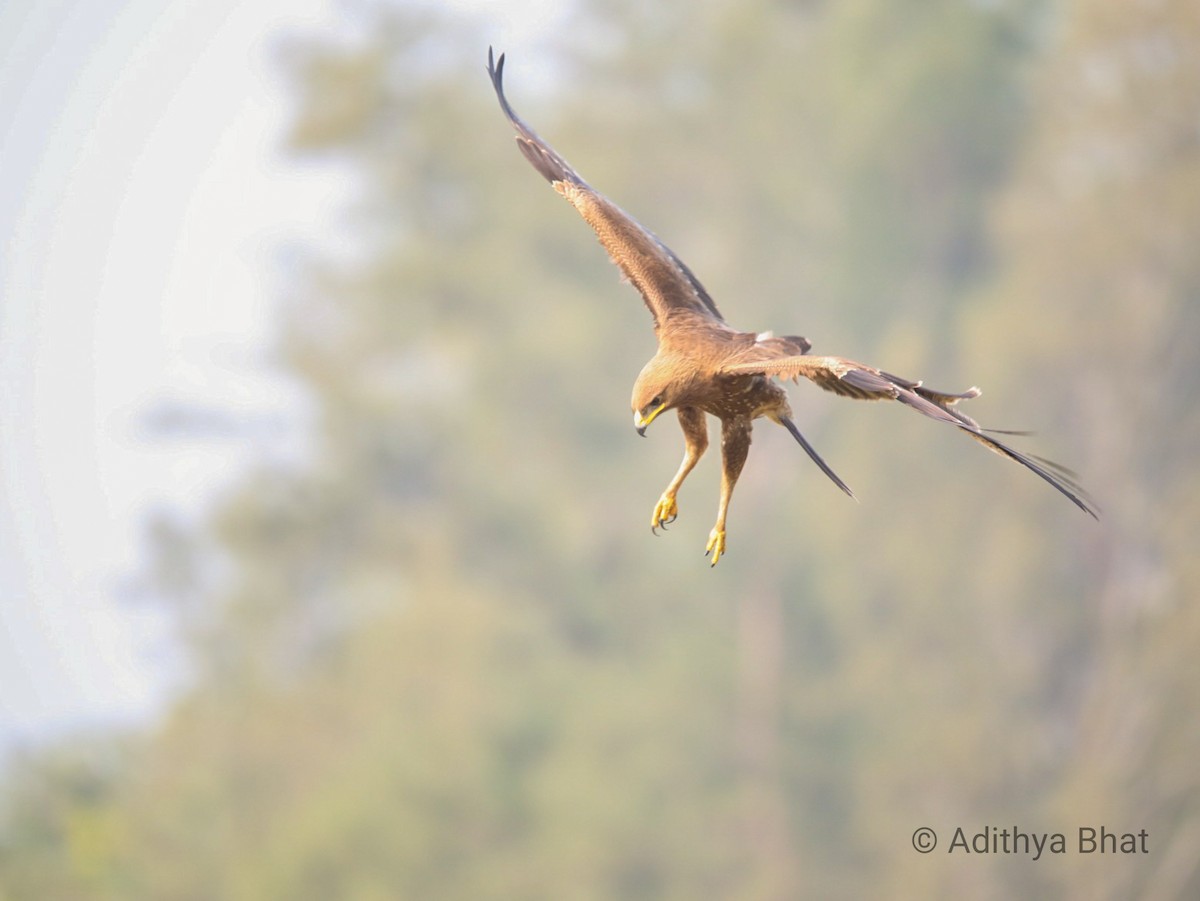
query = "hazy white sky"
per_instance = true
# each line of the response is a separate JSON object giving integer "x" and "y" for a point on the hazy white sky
{"x": 145, "y": 208}
{"x": 143, "y": 200}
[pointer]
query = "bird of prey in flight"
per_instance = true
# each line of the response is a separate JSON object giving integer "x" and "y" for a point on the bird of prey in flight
{"x": 705, "y": 366}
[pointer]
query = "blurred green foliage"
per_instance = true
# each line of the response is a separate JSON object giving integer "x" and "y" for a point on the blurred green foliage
{"x": 445, "y": 658}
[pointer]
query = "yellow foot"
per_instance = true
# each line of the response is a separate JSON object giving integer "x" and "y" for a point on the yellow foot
{"x": 664, "y": 513}
{"x": 716, "y": 545}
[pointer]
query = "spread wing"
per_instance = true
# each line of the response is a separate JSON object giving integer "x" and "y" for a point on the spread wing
{"x": 862, "y": 382}
{"x": 669, "y": 288}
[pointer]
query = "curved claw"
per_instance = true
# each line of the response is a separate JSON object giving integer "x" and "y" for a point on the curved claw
{"x": 715, "y": 546}
{"x": 665, "y": 512}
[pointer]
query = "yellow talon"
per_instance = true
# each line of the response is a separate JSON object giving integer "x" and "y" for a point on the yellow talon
{"x": 716, "y": 545}
{"x": 664, "y": 513}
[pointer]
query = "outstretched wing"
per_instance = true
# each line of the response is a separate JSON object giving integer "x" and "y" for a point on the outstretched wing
{"x": 856, "y": 380}
{"x": 862, "y": 382}
{"x": 668, "y": 287}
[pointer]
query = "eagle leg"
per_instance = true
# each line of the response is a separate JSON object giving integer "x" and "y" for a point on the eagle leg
{"x": 695, "y": 438}
{"x": 735, "y": 446}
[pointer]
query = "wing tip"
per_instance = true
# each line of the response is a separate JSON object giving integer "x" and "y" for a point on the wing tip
{"x": 1055, "y": 475}
{"x": 495, "y": 71}
{"x": 549, "y": 164}
{"x": 495, "y": 67}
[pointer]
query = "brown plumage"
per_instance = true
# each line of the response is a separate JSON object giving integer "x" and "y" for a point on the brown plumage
{"x": 703, "y": 366}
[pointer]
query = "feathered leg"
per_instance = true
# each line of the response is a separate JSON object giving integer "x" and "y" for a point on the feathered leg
{"x": 735, "y": 446}
{"x": 695, "y": 443}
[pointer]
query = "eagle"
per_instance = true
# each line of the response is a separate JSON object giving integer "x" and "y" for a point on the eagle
{"x": 704, "y": 366}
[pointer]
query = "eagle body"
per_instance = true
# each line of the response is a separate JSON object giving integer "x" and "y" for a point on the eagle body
{"x": 704, "y": 367}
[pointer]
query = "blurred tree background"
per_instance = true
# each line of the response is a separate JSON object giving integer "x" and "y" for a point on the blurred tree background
{"x": 444, "y": 658}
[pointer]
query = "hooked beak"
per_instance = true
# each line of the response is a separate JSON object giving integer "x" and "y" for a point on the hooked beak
{"x": 640, "y": 424}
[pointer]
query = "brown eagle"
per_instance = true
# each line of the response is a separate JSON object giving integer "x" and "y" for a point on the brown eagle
{"x": 704, "y": 366}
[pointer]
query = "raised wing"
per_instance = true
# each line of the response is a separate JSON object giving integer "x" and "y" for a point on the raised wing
{"x": 668, "y": 287}
{"x": 862, "y": 382}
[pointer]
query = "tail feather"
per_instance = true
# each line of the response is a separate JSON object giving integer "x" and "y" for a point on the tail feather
{"x": 816, "y": 458}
